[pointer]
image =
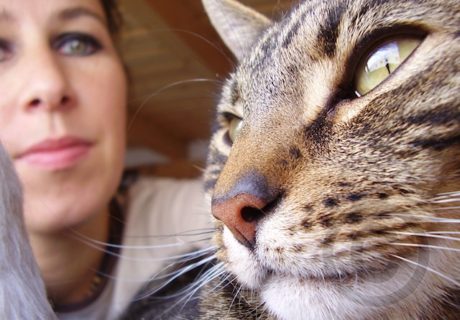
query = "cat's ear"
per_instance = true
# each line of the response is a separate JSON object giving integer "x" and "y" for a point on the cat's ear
{"x": 238, "y": 25}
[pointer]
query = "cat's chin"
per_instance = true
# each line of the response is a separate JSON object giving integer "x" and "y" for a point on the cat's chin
{"x": 385, "y": 294}
{"x": 289, "y": 297}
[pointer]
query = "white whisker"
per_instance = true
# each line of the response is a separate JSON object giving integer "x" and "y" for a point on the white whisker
{"x": 188, "y": 233}
{"x": 210, "y": 43}
{"x": 429, "y": 235}
{"x": 447, "y": 208}
{"x": 444, "y": 232}
{"x": 428, "y": 269}
{"x": 445, "y": 200}
{"x": 161, "y": 275}
{"x": 206, "y": 277}
{"x": 177, "y": 275}
{"x": 237, "y": 295}
{"x": 446, "y": 197}
{"x": 194, "y": 291}
{"x": 216, "y": 271}
{"x": 429, "y": 218}
{"x": 131, "y": 258}
{"x": 136, "y": 247}
{"x": 164, "y": 88}
{"x": 425, "y": 246}
{"x": 450, "y": 193}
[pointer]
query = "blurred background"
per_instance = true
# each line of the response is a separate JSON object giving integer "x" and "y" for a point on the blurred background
{"x": 176, "y": 64}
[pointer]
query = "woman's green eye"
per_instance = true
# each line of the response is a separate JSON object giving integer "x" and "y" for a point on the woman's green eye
{"x": 235, "y": 127}
{"x": 75, "y": 47}
{"x": 77, "y": 44}
{"x": 382, "y": 62}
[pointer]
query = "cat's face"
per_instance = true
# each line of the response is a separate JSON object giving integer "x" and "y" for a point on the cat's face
{"x": 331, "y": 200}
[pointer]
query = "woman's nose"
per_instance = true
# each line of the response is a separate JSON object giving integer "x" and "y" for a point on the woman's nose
{"x": 47, "y": 86}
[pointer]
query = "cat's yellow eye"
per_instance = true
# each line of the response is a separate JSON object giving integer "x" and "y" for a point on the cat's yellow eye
{"x": 383, "y": 61}
{"x": 235, "y": 127}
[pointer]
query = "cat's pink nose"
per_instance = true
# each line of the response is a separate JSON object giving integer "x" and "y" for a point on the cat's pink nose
{"x": 241, "y": 214}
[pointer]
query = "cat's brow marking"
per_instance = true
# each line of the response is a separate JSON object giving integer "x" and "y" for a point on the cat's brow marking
{"x": 329, "y": 31}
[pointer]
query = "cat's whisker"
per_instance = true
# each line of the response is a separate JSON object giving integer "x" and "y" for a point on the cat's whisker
{"x": 210, "y": 43}
{"x": 428, "y": 246}
{"x": 445, "y": 200}
{"x": 208, "y": 276}
{"x": 205, "y": 278}
{"x": 428, "y": 235}
{"x": 444, "y": 232}
{"x": 215, "y": 288}
{"x": 179, "y": 273}
{"x": 187, "y": 293}
{"x": 447, "y": 208}
{"x": 139, "y": 247}
{"x": 131, "y": 258}
{"x": 237, "y": 295}
{"x": 447, "y": 195}
{"x": 160, "y": 274}
{"x": 223, "y": 280}
{"x": 427, "y": 218}
{"x": 191, "y": 233}
{"x": 215, "y": 272}
{"x": 162, "y": 89}
{"x": 440, "y": 274}
{"x": 142, "y": 98}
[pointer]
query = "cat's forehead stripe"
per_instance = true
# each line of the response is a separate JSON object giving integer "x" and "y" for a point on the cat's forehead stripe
{"x": 234, "y": 93}
{"x": 329, "y": 30}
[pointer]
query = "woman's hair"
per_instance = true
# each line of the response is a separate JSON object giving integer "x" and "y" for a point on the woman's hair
{"x": 113, "y": 15}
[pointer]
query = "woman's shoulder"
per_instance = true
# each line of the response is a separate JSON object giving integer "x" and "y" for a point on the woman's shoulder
{"x": 151, "y": 193}
{"x": 165, "y": 217}
{"x": 167, "y": 204}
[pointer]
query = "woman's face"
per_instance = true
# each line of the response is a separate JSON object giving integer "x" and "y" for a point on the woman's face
{"x": 62, "y": 108}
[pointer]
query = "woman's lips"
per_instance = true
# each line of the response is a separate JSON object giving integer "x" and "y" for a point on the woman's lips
{"x": 55, "y": 154}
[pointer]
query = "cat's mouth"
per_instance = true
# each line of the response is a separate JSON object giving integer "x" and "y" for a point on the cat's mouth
{"x": 339, "y": 277}
{"x": 258, "y": 266}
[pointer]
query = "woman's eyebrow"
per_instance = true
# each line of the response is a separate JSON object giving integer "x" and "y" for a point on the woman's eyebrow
{"x": 77, "y": 12}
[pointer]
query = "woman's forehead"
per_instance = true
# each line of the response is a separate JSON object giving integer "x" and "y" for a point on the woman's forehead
{"x": 17, "y": 11}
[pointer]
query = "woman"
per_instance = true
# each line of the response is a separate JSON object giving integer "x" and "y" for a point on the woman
{"x": 62, "y": 121}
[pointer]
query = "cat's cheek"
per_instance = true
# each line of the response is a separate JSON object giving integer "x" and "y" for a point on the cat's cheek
{"x": 242, "y": 263}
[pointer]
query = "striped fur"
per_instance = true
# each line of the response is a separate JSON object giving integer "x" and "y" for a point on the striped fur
{"x": 361, "y": 183}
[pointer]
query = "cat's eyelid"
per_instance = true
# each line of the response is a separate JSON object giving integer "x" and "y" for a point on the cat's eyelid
{"x": 374, "y": 38}
{"x": 230, "y": 116}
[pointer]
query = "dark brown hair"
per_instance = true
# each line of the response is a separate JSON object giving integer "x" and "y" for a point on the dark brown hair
{"x": 113, "y": 15}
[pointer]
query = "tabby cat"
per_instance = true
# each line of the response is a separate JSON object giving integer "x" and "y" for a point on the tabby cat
{"x": 334, "y": 166}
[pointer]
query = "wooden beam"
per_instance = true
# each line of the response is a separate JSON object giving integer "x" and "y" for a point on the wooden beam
{"x": 198, "y": 34}
{"x": 142, "y": 131}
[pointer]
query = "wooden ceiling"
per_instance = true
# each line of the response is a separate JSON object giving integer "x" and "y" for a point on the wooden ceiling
{"x": 176, "y": 64}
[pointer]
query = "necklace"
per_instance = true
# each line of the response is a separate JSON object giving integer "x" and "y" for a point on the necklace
{"x": 108, "y": 262}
